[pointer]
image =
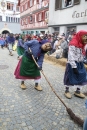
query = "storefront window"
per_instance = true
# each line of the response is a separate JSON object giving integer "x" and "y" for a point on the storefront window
{"x": 71, "y": 29}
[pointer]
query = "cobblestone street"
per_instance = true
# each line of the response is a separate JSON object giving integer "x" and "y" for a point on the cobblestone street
{"x": 32, "y": 110}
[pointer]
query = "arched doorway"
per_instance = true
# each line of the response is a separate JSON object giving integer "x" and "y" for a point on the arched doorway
{"x": 5, "y": 32}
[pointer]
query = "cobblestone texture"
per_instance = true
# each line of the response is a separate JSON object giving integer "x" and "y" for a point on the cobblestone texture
{"x": 32, "y": 110}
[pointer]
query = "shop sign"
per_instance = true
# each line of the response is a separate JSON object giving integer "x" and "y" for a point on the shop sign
{"x": 78, "y": 15}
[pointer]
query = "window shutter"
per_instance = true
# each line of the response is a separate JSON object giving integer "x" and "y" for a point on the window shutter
{"x": 37, "y": 17}
{"x": 21, "y": 22}
{"x": 33, "y": 18}
{"x": 32, "y": 2}
{"x": 29, "y": 4}
{"x": 58, "y": 4}
{"x": 37, "y": 1}
{"x": 42, "y": 16}
{"x": 28, "y": 19}
{"x": 18, "y": 3}
{"x": 76, "y": 2}
{"x": 23, "y": 7}
{"x": 20, "y": 9}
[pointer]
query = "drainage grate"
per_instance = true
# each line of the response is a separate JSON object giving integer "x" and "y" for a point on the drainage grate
{"x": 3, "y": 67}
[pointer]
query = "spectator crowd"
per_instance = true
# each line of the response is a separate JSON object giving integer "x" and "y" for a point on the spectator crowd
{"x": 59, "y": 42}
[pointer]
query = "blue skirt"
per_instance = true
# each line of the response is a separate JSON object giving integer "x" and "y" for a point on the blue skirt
{"x": 70, "y": 78}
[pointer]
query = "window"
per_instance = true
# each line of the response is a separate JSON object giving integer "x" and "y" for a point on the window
{"x": 65, "y": 3}
{"x": 21, "y": 22}
{"x": 46, "y": 14}
{"x": 31, "y": 19}
{"x": 18, "y": 20}
{"x": 6, "y": 18}
{"x": 11, "y": 19}
{"x": 56, "y": 29}
{"x": 76, "y": 2}
{"x": 14, "y": 20}
{"x": 22, "y": 8}
{"x": 9, "y": 6}
{"x": 57, "y": 4}
{"x": 71, "y": 30}
{"x": 26, "y": 21}
{"x": 40, "y": 17}
{"x": 17, "y": 8}
{"x": 26, "y": 6}
{"x": 0, "y": 18}
{"x": 31, "y": 3}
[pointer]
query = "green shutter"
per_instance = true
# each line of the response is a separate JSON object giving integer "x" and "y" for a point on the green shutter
{"x": 76, "y": 2}
{"x": 58, "y": 4}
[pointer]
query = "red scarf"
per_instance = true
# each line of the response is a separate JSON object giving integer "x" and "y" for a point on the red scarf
{"x": 77, "y": 40}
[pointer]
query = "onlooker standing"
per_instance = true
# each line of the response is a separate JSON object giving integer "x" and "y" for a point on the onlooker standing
{"x": 11, "y": 41}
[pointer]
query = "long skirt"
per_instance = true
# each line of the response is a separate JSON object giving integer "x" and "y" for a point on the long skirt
{"x": 26, "y": 69}
{"x": 70, "y": 78}
{"x": 20, "y": 50}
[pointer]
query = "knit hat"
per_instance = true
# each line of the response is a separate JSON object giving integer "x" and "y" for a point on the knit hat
{"x": 44, "y": 41}
{"x": 48, "y": 46}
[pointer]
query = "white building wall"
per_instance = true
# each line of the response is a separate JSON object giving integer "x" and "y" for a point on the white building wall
{"x": 72, "y": 15}
{"x": 81, "y": 27}
{"x": 62, "y": 29}
{"x": 11, "y": 27}
{"x": 67, "y": 15}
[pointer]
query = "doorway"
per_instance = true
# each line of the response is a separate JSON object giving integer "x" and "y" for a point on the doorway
{"x": 5, "y": 32}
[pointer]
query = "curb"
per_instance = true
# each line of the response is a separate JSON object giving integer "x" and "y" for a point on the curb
{"x": 61, "y": 61}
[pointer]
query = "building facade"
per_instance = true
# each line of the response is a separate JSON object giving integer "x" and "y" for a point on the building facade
{"x": 9, "y": 17}
{"x": 34, "y": 16}
{"x": 67, "y": 15}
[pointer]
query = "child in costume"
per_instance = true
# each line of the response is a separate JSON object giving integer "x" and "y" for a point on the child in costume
{"x": 75, "y": 73}
{"x": 20, "y": 46}
{"x": 26, "y": 68}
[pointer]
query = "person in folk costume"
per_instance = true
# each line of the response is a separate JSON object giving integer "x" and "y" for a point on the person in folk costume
{"x": 26, "y": 68}
{"x": 75, "y": 73}
{"x": 20, "y": 46}
{"x": 10, "y": 41}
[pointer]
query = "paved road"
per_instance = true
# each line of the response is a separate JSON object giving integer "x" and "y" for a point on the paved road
{"x": 32, "y": 110}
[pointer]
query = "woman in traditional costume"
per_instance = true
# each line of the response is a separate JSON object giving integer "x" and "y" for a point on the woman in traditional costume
{"x": 20, "y": 46}
{"x": 75, "y": 73}
{"x": 26, "y": 68}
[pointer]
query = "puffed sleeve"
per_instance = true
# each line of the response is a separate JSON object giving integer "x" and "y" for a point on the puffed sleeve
{"x": 71, "y": 56}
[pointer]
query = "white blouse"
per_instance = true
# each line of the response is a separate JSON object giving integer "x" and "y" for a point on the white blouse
{"x": 74, "y": 54}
